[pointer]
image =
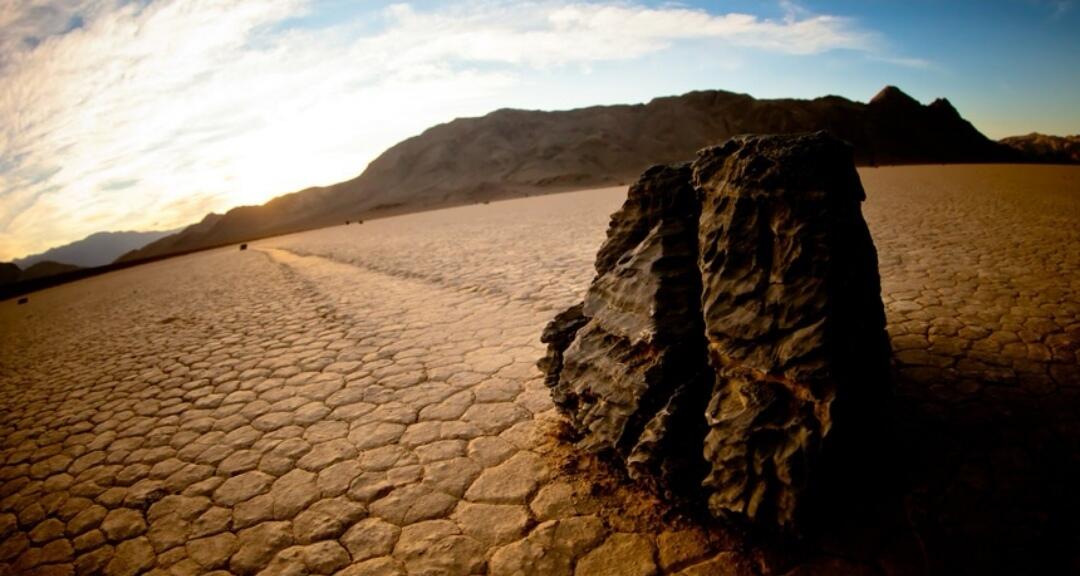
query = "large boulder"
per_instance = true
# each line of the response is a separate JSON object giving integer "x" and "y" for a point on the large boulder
{"x": 734, "y": 328}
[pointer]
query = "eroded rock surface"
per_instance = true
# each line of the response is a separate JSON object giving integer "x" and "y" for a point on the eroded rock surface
{"x": 791, "y": 301}
{"x": 638, "y": 343}
{"x": 735, "y": 313}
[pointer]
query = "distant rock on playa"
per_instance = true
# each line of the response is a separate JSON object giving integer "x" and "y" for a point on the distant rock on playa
{"x": 734, "y": 329}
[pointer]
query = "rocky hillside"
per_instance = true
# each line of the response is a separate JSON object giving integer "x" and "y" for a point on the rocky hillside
{"x": 510, "y": 153}
{"x": 1044, "y": 148}
{"x": 194, "y": 235}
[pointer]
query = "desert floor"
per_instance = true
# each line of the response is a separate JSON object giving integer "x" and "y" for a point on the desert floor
{"x": 363, "y": 400}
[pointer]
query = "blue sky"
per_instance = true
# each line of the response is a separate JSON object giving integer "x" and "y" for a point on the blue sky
{"x": 1011, "y": 66}
{"x": 148, "y": 114}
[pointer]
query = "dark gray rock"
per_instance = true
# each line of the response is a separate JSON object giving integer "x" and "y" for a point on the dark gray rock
{"x": 638, "y": 347}
{"x": 735, "y": 322}
{"x": 791, "y": 301}
{"x": 558, "y": 334}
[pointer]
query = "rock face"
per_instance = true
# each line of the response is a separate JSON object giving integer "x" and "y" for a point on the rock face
{"x": 734, "y": 324}
{"x": 794, "y": 323}
{"x": 620, "y": 362}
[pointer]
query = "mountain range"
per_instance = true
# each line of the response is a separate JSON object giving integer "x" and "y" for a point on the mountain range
{"x": 1045, "y": 148}
{"x": 97, "y": 249}
{"x": 11, "y": 273}
{"x": 510, "y": 153}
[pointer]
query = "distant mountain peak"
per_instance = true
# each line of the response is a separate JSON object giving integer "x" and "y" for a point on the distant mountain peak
{"x": 891, "y": 95}
{"x": 942, "y": 103}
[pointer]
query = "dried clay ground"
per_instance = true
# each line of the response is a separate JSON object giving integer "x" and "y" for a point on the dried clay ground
{"x": 363, "y": 400}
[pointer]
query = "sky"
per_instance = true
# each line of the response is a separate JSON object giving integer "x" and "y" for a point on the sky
{"x": 147, "y": 114}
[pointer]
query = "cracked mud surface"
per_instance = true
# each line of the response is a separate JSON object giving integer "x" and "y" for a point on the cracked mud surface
{"x": 363, "y": 400}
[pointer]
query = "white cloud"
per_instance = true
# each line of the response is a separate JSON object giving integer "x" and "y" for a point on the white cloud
{"x": 904, "y": 62}
{"x": 205, "y": 104}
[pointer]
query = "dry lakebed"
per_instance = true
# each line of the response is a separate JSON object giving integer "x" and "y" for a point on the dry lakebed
{"x": 364, "y": 399}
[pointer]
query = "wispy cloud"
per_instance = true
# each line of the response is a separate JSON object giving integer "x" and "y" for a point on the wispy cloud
{"x": 917, "y": 63}
{"x": 113, "y": 113}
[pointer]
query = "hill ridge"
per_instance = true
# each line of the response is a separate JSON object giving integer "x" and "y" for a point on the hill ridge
{"x": 513, "y": 152}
